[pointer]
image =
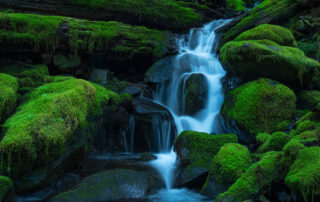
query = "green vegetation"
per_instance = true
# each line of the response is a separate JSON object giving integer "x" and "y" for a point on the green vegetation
{"x": 262, "y": 137}
{"x": 8, "y": 95}
{"x": 292, "y": 148}
{"x": 237, "y": 5}
{"x": 275, "y": 33}
{"x": 260, "y": 105}
{"x": 308, "y": 99}
{"x": 6, "y": 186}
{"x": 304, "y": 175}
{"x": 229, "y": 164}
{"x": 256, "y": 180}
{"x": 51, "y": 115}
{"x": 193, "y": 146}
{"x": 274, "y": 143}
{"x": 253, "y": 59}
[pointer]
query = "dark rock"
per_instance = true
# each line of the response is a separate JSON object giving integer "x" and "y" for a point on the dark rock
{"x": 116, "y": 184}
{"x": 161, "y": 71}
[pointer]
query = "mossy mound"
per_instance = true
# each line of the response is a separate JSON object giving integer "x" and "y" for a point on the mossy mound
{"x": 292, "y": 148}
{"x": 196, "y": 92}
{"x": 267, "y": 12}
{"x": 260, "y": 105}
{"x": 6, "y": 186}
{"x": 51, "y": 116}
{"x": 193, "y": 146}
{"x": 274, "y": 143}
{"x": 304, "y": 175}
{"x": 8, "y": 95}
{"x": 308, "y": 99}
{"x": 237, "y": 5}
{"x": 256, "y": 180}
{"x": 229, "y": 164}
{"x": 253, "y": 59}
{"x": 262, "y": 137}
{"x": 275, "y": 33}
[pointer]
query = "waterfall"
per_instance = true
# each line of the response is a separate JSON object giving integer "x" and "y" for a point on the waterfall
{"x": 196, "y": 56}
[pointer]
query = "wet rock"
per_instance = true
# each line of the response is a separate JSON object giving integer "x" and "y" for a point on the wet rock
{"x": 161, "y": 71}
{"x": 116, "y": 184}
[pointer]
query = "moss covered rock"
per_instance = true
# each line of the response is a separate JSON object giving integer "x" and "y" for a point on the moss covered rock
{"x": 260, "y": 105}
{"x": 193, "y": 146}
{"x": 6, "y": 186}
{"x": 262, "y": 137}
{"x": 304, "y": 175}
{"x": 8, "y": 95}
{"x": 256, "y": 180}
{"x": 196, "y": 92}
{"x": 308, "y": 99}
{"x": 51, "y": 117}
{"x": 275, "y": 33}
{"x": 228, "y": 165}
{"x": 293, "y": 147}
{"x": 253, "y": 59}
{"x": 274, "y": 143}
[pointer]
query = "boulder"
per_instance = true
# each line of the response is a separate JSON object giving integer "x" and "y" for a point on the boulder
{"x": 254, "y": 59}
{"x": 8, "y": 95}
{"x": 196, "y": 93}
{"x": 115, "y": 184}
{"x": 227, "y": 166}
{"x": 259, "y": 106}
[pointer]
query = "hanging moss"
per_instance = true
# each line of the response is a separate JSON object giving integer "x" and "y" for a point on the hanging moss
{"x": 8, "y": 95}
{"x": 260, "y": 105}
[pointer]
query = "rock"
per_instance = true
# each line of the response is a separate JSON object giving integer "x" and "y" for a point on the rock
{"x": 51, "y": 126}
{"x": 254, "y": 59}
{"x": 259, "y": 106}
{"x": 303, "y": 177}
{"x": 147, "y": 156}
{"x": 193, "y": 146}
{"x": 267, "y": 12}
{"x": 196, "y": 93}
{"x": 161, "y": 71}
{"x": 308, "y": 99}
{"x": 6, "y": 188}
{"x": 8, "y": 95}
{"x": 152, "y": 125}
{"x": 227, "y": 166}
{"x": 274, "y": 143}
{"x": 116, "y": 184}
{"x": 66, "y": 64}
{"x": 292, "y": 148}
{"x": 133, "y": 90}
{"x": 256, "y": 180}
{"x": 99, "y": 76}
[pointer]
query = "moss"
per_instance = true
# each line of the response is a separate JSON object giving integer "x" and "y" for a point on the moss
{"x": 66, "y": 64}
{"x": 262, "y": 137}
{"x": 303, "y": 126}
{"x": 284, "y": 125}
{"x": 308, "y": 99}
{"x": 193, "y": 146}
{"x": 8, "y": 95}
{"x": 260, "y": 105}
{"x": 256, "y": 180}
{"x": 237, "y": 5}
{"x": 304, "y": 175}
{"x": 275, "y": 33}
{"x": 292, "y": 148}
{"x": 51, "y": 115}
{"x": 229, "y": 164}
{"x": 55, "y": 79}
{"x": 275, "y": 143}
{"x": 6, "y": 186}
{"x": 308, "y": 137}
{"x": 178, "y": 13}
{"x": 266, "y": 12}
{"x": 253, "y": 59}
{"x": 29, "y": 31}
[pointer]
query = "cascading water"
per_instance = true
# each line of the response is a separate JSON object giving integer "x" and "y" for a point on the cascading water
{"x": 196, "y": 56}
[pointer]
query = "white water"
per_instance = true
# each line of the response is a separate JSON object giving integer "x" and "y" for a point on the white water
{"x": 196, "y": 56}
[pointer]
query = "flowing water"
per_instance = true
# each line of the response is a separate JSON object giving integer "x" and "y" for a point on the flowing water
{"x": 196, "y": 56}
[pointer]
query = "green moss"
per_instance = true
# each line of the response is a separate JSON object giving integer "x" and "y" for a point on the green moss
{"x": 66, "y": 64}
{"x": 266, "y": 12}
{"x": 8, "y": 95}
{"x": 193, "y": 146}
{"x": 55, "y": 79}
{"x": 6, "y": 186}
{"x": 303, "y": 126}
{"x": 260, "y": 105}
{"x": 308, "y": 137}
{"x": 51, "y": 115}
{"x": 253, "y": 59}
{"x": 237, "y": 5}
{"x": 29, "y": 31}
{"x": 304, "y": 175}
{"x": 256, "y": 180}
{"x": 292, "y": 148}
{"x": 275, "y": 33}
{"x": 262, "y": 137}
{"x": 275, "y": 143}
{"x": 308, "y": 99}
{"x": 229, "y": 164}
{"x": 178, "y": 13}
